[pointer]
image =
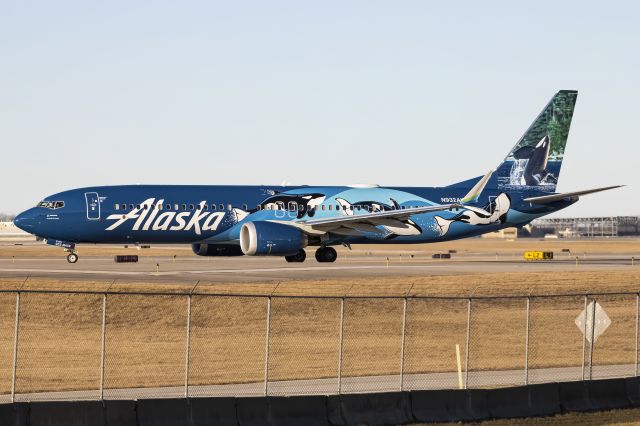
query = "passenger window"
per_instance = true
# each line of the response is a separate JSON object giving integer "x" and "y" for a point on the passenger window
{"x": 323, "y": 207}
{"x": 159, "y": 206}
{"x": 292, "y": 206}
{"x": 190, "y": 206}
{"x": 205, "y": 206}
{"x": 221, "y": 206}
{"x": 176, "y": 207}
{"x": 124, "y": 207}
{"x": 229, "y": 207}
{"x": 259, "y": 207}
{"x": 351, "y": 208}
{"x": 116, "y": 206}
{"x": 130, "y": 206}
{"x": 168, "y": 206}
{"x": 138, "y": 206}
{"x": 245, "y": 207}
{"x": 213, "y": 207}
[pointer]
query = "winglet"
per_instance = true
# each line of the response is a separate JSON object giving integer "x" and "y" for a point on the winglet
{"x": 477, "y": 189}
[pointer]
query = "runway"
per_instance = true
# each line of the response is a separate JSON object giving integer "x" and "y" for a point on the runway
{"x": 332, "y": 386}
{"x": 253, "y": 269}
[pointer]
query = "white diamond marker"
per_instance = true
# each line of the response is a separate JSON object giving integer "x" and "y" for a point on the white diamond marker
{"x": 602, "y": 321}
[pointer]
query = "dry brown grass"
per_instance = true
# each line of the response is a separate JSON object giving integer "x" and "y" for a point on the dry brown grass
{"x": 59, "y": 346}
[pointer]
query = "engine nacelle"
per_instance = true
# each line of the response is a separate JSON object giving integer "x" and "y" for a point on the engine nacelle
{"x": 216, "y": 249}
{"x": 262, "y": 238}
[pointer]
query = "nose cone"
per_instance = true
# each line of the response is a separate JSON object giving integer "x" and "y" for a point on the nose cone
{"x": 25, "y": 221}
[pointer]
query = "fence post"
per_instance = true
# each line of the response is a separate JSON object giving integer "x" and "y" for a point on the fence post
{"x": 404, "y": 330}
{"x": 340, "y": 345}
{"x": 637, "y": 328}
{"x": 266, "y": 352}
{"x": 593, "y": 334}
{"x": 584, "y": 337}
{"x": 102, "y": 349}
{"x": 466, "y": 362}
{"x": 15, "y": 349}
{"x": 526, "y": 344}
{"x": 188, "y": 348}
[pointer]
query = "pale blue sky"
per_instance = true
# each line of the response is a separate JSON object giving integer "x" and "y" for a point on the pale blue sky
{"x": 397, "y": 93}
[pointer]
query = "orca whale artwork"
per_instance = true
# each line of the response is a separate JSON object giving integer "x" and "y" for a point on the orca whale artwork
{"x": 227, "y": 220}
{"x": 536, "y": 159}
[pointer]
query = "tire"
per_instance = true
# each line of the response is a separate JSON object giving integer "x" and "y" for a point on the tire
{"x": 326, "y": 255}
{"x": 299, "y": 257}
{"x": 72, "y": 258}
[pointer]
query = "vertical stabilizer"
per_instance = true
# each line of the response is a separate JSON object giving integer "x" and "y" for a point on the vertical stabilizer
{"x": 535, "y": 161}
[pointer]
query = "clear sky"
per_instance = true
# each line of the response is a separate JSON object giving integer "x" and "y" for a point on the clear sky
{"x": 412, "y": 93}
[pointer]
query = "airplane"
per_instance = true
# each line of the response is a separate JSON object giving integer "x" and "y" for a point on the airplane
{"x": 284, "y": 220}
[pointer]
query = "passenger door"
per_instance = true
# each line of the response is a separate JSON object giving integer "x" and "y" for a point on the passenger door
{"x": 93, "y": 205}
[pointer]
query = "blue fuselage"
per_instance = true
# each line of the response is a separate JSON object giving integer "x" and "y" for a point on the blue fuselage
{"x": 214, "y": 214}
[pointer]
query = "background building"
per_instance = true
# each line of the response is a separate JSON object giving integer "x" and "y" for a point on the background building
{"x": 617, "y": 226}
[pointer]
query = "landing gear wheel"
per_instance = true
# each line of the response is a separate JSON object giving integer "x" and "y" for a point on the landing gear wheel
{"x": 72, "y": 258}
{"x": 326, "y": 254}
{"x": 300, "y": 256}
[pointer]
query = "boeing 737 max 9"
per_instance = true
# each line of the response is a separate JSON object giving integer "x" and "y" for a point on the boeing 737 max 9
{"x": 282, "y": 221}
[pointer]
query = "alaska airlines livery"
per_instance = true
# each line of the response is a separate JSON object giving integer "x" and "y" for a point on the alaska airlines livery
{"x": 282, "y": 221}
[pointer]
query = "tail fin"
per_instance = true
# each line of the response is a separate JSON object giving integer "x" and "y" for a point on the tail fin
{"x": 535, "y": 161}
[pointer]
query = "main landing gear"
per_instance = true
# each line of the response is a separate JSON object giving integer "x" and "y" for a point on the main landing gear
{"x": 300, "y": 256}
{"x": 326, "y": 254}
{"x": 323, "y": 254}
{"x": 72, "y": 257}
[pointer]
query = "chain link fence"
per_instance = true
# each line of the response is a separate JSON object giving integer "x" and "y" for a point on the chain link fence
{"x": 93, "y": 345}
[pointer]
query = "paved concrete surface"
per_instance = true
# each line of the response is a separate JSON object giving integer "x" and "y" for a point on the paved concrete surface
{"x": 331, "y": 386}
{"x": 247, "y": 269}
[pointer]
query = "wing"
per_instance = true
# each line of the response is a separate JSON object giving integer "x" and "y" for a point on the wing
{"x": 546, "y": 199}
{"x": 357, "y": 224}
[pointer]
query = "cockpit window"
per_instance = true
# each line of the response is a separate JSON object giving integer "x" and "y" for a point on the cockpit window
{"x": 51, "y": 204}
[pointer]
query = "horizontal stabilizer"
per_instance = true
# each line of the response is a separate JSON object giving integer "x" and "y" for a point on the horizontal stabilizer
{"x": 546, "y": 199}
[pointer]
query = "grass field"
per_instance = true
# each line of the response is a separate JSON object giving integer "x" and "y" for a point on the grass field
{"x": 60, "y": 334}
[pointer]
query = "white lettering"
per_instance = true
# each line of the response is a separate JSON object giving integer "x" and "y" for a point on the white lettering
{"x": 163, "y": 222}
{"x": 145, "y": 211}
{"x": 180, "y": 218}
{"x": 212, "y": 222}
{"x": 153, "y": 215}
{"x": 133, "y": 214}
{"x": 195, "y": 220}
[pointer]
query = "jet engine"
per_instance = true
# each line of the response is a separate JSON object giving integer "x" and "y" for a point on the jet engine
{"x": 261, "y": 238}
{"x": 216, "y": 249}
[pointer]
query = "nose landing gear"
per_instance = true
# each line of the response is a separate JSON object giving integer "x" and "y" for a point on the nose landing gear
{"x": 72, "y": 257}
{"x": 326, "y": 254}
